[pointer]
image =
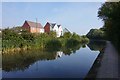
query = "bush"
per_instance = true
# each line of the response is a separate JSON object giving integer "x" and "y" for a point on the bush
{"x": 12, "y": 39}
{"x": 53, "y": 44}
{"x": 71, "y": 42}
{"x": 67, "y": 35}
{"x": 96, "y": 34}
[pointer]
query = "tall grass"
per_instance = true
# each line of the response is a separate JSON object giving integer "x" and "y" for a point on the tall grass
{"x": 13, "y": 41}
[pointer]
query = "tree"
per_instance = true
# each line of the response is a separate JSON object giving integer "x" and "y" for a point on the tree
{"x": 96, "y": 34}
{"x": 110, "y": 14}
{"x": 52, "y": 34}
{"x": 75, "y": 36}
{"x": 67, "y": 35}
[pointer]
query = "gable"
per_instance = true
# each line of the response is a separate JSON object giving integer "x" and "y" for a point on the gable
{"x": 26, "y": 25}
{"x": 34, "y": 24}
{"x": 60, "y": 28}
{"x": 65, "y": 30}
{"x": 55, "y": 28}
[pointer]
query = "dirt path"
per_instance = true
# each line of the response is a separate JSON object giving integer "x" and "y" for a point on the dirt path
{"x": 109, "y": 63}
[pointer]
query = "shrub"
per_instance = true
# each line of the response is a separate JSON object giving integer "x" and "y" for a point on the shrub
{"x": 71, "y": 42}
{"x": 53, "y": 44}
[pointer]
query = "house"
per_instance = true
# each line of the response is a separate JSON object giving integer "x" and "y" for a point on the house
{"x": 53, "y": 27}
{"x": 58, "y": 54}
{"x": 1, "y": 34}
{"x": 60, "y": 30}
{"x": 65, "y": 30}
{"x": 0, "y": 30}
{"x": 33, "y": 27}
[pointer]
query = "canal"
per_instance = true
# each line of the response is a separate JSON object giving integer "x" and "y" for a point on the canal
{"x": 73, "y": 62}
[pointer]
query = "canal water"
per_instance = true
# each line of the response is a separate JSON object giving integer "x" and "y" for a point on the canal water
{"x": 73, "y": 62}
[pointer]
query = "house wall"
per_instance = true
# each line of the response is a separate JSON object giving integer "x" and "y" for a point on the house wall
{"x": 34, "y": 30}
{"x": 55, "y": 28}
{"x": 42, "y": 30}
{"x": 60, "y": 31}
{"x": 31, "y": 29}
{"x": 38, "y": 30}
{"x": 26, "y": 26}
{"x": 47, "y": 28}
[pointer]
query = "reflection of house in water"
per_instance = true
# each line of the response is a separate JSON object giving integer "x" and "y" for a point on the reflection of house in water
{"x": 58, "y": 54}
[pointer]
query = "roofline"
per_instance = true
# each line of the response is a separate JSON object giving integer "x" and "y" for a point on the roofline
{"x": 31, "y": 21}
{"x": 34, "y": 22}
{"x": 51, "y": 23}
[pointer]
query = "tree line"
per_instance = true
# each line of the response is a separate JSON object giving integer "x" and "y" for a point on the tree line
{"x": 109, "y": 12}
{"x": 18, "y": 38}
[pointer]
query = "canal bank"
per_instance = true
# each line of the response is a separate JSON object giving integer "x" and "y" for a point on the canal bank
{"x": 109, "y": 63}
{"x": 106, "y": 65}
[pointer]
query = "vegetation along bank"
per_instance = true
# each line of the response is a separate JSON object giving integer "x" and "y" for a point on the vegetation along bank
{"x": 24, "y": 40}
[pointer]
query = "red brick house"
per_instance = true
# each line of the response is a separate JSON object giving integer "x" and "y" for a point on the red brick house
{"x": 33, "y": 27}
{"x": 47, "y": 27}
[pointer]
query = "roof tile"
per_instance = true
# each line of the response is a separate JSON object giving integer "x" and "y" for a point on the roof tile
{"x": 34, "y": 24}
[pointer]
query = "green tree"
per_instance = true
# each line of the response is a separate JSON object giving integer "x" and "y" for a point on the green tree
{"x": 96, "y": 34}
{"x": 52, "y": 34}
{"x": 67, "y": 35}
{"x": 75, "y": 36}
{"x": 110, "y": 14}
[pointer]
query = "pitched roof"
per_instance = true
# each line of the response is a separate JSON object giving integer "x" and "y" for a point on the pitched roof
{"x": 58, "y": 26}
{"x": 52, "y": 24}
{"x": 34, "y": 24}
{"x": 65, "y": 30}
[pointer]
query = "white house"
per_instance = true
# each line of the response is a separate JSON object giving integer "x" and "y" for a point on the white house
{"x": 53, "y": 27}
{"x": 59, "y": 54}
{"x": 42, "y": 30}
{"x": 60, "y": 30}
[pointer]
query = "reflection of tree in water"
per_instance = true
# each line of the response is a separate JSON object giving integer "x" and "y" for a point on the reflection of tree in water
{"x": 96, "y": 45}
{"x": 71, "y": 49}
{"x": 22, "y": 60}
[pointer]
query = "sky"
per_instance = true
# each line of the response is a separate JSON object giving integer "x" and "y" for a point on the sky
{"x": 77, "y": 17}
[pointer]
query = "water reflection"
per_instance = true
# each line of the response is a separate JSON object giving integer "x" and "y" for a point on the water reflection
{"x": 100, "y": 46}
{"x": 59, "y": 54}
{"x": 96, "y": 45}
{"x": 21, "y": 60}
{"x": 73, "y": 62}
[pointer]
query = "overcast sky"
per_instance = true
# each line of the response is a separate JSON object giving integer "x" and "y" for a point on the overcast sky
{"x": 78, "y": 17}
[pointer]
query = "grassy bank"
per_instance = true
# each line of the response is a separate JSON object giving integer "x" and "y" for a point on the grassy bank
{"x": 13, "y": 41}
